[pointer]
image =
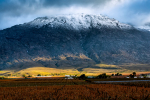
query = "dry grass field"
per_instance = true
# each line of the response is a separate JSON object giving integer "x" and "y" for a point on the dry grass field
{"x": 64, "y": 89}
{"x": 101, "y": 68}
{"x": 124, "y": 69}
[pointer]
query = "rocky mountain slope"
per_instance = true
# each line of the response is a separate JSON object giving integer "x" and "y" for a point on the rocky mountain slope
{"x": 73, "y": 41}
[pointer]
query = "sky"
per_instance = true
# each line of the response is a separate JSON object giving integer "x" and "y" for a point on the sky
{"x": 13, "y": 12}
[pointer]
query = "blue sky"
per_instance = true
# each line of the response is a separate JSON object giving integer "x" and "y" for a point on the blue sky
{"x": 12, "y": 12}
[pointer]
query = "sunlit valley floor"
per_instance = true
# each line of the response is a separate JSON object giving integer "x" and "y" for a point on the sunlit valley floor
{"x": 99, "y": 69}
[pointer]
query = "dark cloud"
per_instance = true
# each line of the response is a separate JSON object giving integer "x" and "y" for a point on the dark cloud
{"x": 74, "y": 2}
{"x": 27, "y": 6}
{"x": 19, "y": 11}
{"x": 16, "y": 7}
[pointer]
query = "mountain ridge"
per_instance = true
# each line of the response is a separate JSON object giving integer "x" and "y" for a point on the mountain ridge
{"x": 78, "y": 21}
{"x": 73, "y": 45}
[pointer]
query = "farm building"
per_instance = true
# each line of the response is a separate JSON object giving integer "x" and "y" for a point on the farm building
{"x": 148, "y": 76}
{"x": 68, "y": 77}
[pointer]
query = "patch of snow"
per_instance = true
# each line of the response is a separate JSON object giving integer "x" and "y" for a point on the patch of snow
{"x": 78, "y": 21}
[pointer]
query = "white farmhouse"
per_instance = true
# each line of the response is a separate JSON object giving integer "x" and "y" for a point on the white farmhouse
{"x": 148, "y": 76}
{"x": 127, "y": 77}
{"x": 141, "y": 77}
{"x": 67, "y": 75}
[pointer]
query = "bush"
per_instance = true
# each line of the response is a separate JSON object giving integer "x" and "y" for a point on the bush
{"x": 76, "y": 75}
{"x": 39, "y": 75}
{"x": 30, "y": 76}
{"x": 9, "y": 74}
{"x": 103, "y": 76}
{"x": 1, "y": 77}
{"x": 23, "y": 75}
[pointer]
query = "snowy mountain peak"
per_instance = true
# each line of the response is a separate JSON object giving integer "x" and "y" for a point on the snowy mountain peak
{"x": 78, "y": 21}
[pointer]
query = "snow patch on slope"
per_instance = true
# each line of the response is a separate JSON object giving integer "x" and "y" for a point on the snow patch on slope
{"x": 78, "y": 21}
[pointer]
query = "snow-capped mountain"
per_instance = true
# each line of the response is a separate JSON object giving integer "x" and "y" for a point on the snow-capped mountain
{"x": 78, "y": 21}
{"x": 76, "y": 41}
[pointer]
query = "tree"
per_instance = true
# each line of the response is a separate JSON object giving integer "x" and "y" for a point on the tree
{"x": 102, "y": 75}
{"x": 131, "y": 75}
{"x": 134, "y": 73}
{"x": 82, "y": 76}
{"x": 120, "y": 74}
{"x": 117, "y": 74}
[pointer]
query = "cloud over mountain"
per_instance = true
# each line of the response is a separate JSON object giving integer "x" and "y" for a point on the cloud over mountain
{"x": 19, "y": 11}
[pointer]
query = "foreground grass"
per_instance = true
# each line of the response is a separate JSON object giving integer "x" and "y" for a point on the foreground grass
{"x": 39, "y": 82}
{"x": 117, "y": 79}
{"x": 73, "y": 91}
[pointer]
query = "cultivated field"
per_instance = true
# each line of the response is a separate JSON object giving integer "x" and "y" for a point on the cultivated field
{"x": 65, "y": 89}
